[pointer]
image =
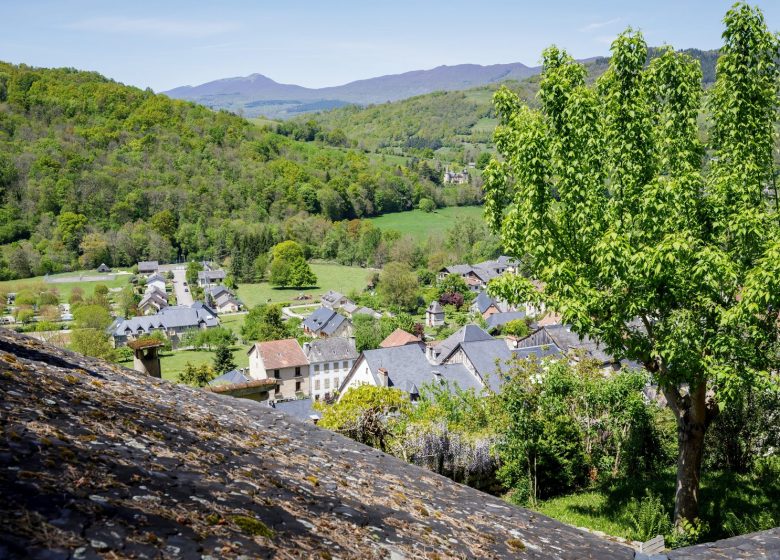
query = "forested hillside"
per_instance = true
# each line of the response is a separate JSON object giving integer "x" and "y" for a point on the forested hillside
{"x": 460, "y": 120}
{"x": 95, "y": 171}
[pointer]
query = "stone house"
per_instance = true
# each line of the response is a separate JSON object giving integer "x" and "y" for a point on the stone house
{"x": 330, "y": 360}
{"x": 325, "y": 322}
{"x": 284, "y": 361}
{"x": 434, "y": 315}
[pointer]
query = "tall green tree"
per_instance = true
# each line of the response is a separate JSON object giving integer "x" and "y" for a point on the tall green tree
{"x": 289, "y": 266}
{"x": 223, "y": 359}
{"x": 669, "y": 261}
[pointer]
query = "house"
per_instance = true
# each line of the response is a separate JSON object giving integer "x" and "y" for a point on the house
{"x": 434, "y": 315}
{"x": 325, "y": 322}
{"x": 406, "y": 368}
{"x": 205, "y": 309}
{"x": 570, "y": 344}
{"x": 223, "y": 299}
{"x": 104, "y": 268}
{"x": 477, "y": 276}
{"x": 497, "y": 320}
{"x": 400, "y": 337}
{"x": 451, "y": 177}
{"x": 330, "y": 360}
{"x": 284, "y": 361}
{"x": 173, "y": 321}
{"x": 153, "y": 301}
{"x": 485, "y": 305}
{"x": 155, "y": 281}
{"x": 334, "y": 300}
{"x": 210, "y": 277}
{"x": 148, "y": 267}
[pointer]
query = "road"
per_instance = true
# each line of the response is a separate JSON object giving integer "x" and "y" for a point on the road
{"x": 180, "y": 277}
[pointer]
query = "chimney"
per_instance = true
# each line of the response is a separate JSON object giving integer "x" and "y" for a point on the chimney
{"x": 384, "y": 377}
{"x": 437, "y": 376}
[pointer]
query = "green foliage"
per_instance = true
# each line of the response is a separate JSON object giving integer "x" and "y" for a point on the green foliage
{"x": 191, "y": 273}
{"x": 223, "y": 359}
{"x": 289, "y": 267}
{"x": 605, "y": 192}
{"x": 209, "y": 338}
{"x": 518, "y": 328}
{"x": 197, "y": 376}
{"x": 91, "y": 317}
{"x": 426, "y": 205}
{"x": 561, "y": 425}
{"x": 262, "y": 323}
{"x": 92, "y": 342}
{"x": 364, "y": 414}
{"x": 398, "y": 286}
{"x": 648, "y": 517}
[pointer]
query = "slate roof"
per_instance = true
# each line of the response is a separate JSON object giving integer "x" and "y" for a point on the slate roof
{"x": 301, "y": 409}
{"x": 156, "y": 277}
{"x": 468, "y": 333}
{"x": 230, "y": 377}
{"x": 500, "y": 319}
{"x": 217, "y": 291}
{"x": 332, "y": 296}
{"x": 459, "y": 269}
{"x": 538, "y": 352}
{"x": 97, "y": 460}
{"x": 148, "y": 266}
{"x": 408, "y": 365}
{"x": 172, "y": 317}
{"x": 278, "y": 354}
{"x": 399, "y": 337}
{"x": 203, "y": 308}
{"x": 483, "y": 302}
{"x": 567, "y": 340}
{"x": 435, "y": 308}
{"x": 323, "y": 320}
{"x": 211, "y": 275}
{"x": 333, "y": 349}
{"x": 489, "y": 358}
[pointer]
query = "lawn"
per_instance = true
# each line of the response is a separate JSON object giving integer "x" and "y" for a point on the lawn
{"x": 329, "y": 277}
{"x": 65, "y": 288}
{"x": 754, "y": 499}
{"x": 420, "y": 224}
{"x": 172, "y": 363}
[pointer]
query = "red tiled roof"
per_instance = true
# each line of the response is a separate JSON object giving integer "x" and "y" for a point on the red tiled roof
{"x": 399, "y": 337}
{"x": 278, "y": 354}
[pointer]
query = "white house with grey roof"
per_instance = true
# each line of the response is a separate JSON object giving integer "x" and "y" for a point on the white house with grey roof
{"x": 172, "y": 321}
{"x": 406, "y": 368}
{"x": 330, "y": 360}
{"x": 208, "y": 278}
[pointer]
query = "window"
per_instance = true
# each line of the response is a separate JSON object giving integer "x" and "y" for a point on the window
{"x": 276, "y": 374}
{"x": 316, "y": 384}
{"x": 297, "y": 386}
{"x": 326, "y": 367}
{"x": 317, "y": 369}
{"x": 297, "y": 372}
{"x": 277, "y": 390}
{"x": 344, "y": 365}
{"x": 327, "y": 382}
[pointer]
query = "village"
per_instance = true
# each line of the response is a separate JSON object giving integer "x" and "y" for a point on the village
{"x": 321, "y": 362}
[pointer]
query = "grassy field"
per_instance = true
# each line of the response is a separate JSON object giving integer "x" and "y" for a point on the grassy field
{"x": 329, "y": 277}
{"x": 751, "y": 496}
{"x": 64, "y": 288}
{"x": 420, "y": 225}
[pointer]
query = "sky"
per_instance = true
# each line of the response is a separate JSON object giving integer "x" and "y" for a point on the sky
{"x": 164, "y": 44}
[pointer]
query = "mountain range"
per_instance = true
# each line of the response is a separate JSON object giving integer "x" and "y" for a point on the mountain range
{"x": 257, "y": 95}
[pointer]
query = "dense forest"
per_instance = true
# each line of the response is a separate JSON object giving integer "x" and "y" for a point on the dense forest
{"x": 95, "y": 171}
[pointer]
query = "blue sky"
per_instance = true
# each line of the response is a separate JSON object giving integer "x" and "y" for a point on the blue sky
{"x": 163, "y": 44}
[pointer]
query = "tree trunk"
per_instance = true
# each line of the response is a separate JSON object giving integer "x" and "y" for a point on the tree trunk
{"x": 694, "y": 413}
